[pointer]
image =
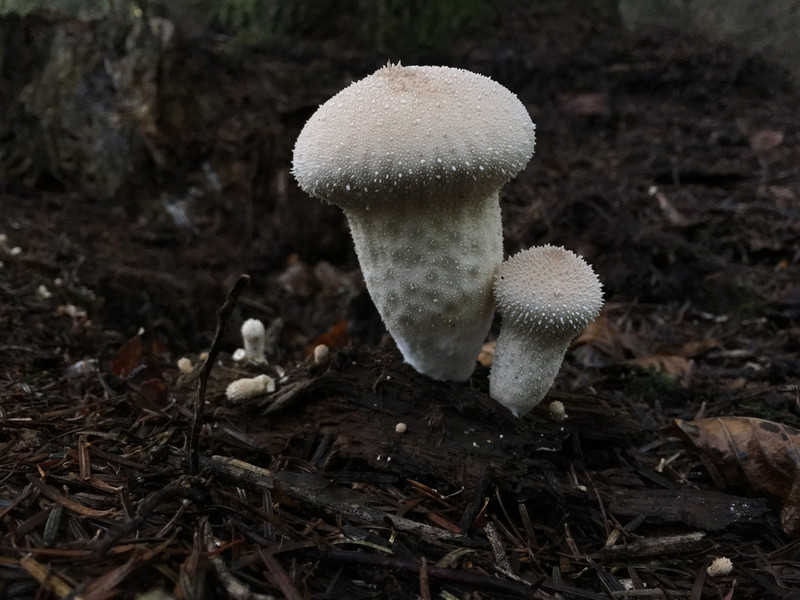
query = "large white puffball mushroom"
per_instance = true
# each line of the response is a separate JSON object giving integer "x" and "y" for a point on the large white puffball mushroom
{"x": 546, "y": 295}
{"x": 416, "y": 157}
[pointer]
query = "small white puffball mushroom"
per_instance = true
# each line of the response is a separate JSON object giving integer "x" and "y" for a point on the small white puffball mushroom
{"x": 719, "y": 567}
{"x": 42, "y": 293}
{"x": 322, "y": 354}
{"x": 185, "y": 365}
{"x": 415, "y": 157}
{"x": 557, "y": 411}
{"x": 254, "y": 336}
{"x": 251, "y": 387}
{"x": 546, "y": 295}
{"x": 400, "y": 428}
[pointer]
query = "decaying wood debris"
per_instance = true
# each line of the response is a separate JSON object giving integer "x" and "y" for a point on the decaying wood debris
{"x": 315, "y": 479}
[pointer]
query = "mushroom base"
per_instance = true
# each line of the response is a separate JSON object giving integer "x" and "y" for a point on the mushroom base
{"x": 429, "y": 272}
{"x": 523, "y": 369}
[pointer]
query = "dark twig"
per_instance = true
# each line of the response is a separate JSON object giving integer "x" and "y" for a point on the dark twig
{"x": 279, "y": 576}
{"x": 223, "y": 316}
{"x": 259, "y": 479}
{"x": 146, "y": 508}
{"x": 424, "y": 584}
{"x": 471, "y": 579}
{"x": 234, "y": 589}
{"x": 475, "y": 499}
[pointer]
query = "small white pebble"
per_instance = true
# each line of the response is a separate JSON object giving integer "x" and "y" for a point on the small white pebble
{"x": 82, "y": 369}
{"x": 627, "y": 584}
{"x": 71, "y": 311}
{"x": 248, "y": 388}
{"x": 557, "y": 411}
{"x": 42, "y": 293}
{"x": 400, "y": 428}
{"x": 322, "y": 354}
{"x": 185, "y": 365}
{"x": 720, "y": 566}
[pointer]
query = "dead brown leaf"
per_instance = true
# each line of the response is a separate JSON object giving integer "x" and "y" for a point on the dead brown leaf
{"x": 589, "y": 104}
{"x": 765, "y": 140}
{"x": 671, "y": 364}
{"x": 759, "y": 453}
{"x": 604, "y": 337}
{"x": 298, "y": 278}
{"x": 336, "y": 337}
{"x": 127, "y": 357}
{"x": 147, "y": 380}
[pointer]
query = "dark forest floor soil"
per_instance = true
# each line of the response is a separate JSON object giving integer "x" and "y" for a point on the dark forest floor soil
{"x": 671, "y": 164}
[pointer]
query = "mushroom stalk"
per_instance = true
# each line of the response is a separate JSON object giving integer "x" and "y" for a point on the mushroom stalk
{"x": 524, "y": 368}
{"x": 419, "y": 277}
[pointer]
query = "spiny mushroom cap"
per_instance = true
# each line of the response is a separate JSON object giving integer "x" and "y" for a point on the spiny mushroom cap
{"x": 420, "y": 131}
{"x": 548, "y": 290}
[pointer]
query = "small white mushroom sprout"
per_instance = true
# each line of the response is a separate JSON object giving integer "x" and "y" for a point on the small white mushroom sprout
{"x": 415, "y": 157}
{"x": 720, "y": 567}
{"x": 546, "y": 295}
{"x": 255, "y": 339}
{"x": 251, "y": 387}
